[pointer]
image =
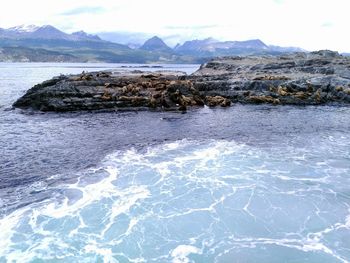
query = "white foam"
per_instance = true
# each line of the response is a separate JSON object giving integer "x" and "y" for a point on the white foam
{"x": 347, "y": 221}
{"x": 105, "y": 253}
{"x": 181, "y": 252}
{"x": 129, "y": 198}
{"x": 91, "y": 193}
{"x": 7, "y": 224}
{"x": 219, "y": 172}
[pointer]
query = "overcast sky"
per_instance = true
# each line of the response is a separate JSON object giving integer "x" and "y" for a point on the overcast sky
{"x": 310, "y": 24}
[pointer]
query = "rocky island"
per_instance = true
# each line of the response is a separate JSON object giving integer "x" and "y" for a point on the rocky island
{"x": 300, "y": 78}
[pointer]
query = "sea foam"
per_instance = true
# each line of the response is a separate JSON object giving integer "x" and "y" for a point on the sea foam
{"x": 189, "y": 201}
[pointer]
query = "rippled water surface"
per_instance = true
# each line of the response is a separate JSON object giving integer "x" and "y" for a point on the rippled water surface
{"x": 244, "y": 184}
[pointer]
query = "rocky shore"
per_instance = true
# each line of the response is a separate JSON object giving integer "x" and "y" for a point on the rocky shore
{"x": 301, "y": 79}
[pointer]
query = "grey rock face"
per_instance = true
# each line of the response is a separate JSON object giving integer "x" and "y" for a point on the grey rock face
{"x": 301, "y": 79}
{"x": 106, "y": 91}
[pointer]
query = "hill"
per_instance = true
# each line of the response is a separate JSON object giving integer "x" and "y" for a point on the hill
{"x": 211, "y": 48}
{"x": 22, "y": 54}
{"x": 51, "y": 44}
{"x": 78, "y": 46}
{"x": 156, "y": 44}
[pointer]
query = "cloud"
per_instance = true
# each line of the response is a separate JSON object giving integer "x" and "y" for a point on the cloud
{"x": 191, "y": 27}
{"x": 84, "y": 10}
{"x": 327, "y": 24}
{"x": 279, "y": 22}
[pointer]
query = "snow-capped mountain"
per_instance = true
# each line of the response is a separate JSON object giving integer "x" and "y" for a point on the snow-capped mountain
{"x": 51, "y": 44}
{"x": 49, "y": 32}
{"x": 48, "y": 42}
{"x": 44, "y": 32}
{"x": 24, "y": 28}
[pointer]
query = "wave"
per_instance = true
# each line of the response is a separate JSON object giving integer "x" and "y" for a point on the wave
{"x": 188, "y": 201}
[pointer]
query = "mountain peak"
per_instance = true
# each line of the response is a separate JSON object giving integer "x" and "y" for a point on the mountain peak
{"x": 44, "y": 32}
{"x": 24, "y": 28}
{"x": 48, "y": 28}
{"x": 155, "y": 38}
{"x": 196, "y": 45}
{"x": 84, "y": 35}
{"x": 249, "y": 44}
{"x": 210, "y": 40}
{"x": 256, "y": 42}
{"x": 48, "y": 32}
{"x": 155, "y": 44}
{"x": 80, "y": 33}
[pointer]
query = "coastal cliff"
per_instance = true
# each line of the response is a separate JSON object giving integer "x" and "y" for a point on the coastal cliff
{"x": 314, "y": 78}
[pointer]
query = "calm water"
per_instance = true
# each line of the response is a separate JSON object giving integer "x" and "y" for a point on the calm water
{"x": 244, "y": 184}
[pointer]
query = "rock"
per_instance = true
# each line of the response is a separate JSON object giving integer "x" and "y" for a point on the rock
{"x": 288, "y": 79}
{"x": 182, "y": 108}
{"x": 263, "y": 99}
{"x": 103, "y": 74}
{"x": 96, "y": 91}
{"x": 301, "y": 79}
{"x": 269, "y": 77}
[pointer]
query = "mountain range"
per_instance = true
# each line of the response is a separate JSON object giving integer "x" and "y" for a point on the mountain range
{"x": 32, "y": 43}
{"x": 211, "y": 47}
{"x": 43, "y": 32}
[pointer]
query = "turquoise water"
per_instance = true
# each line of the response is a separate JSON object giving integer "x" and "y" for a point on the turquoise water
{"x": 188, "y": 201}
{"x": 245, "y": 184}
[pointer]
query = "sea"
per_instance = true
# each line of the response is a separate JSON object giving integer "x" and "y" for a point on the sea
{"x": 248, "y": 183}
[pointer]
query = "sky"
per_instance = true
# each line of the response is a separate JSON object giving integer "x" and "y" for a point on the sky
{"x": 309, "y": 24}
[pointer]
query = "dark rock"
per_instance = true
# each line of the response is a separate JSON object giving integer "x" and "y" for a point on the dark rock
{"x": 263, "y": 99}
{"x": 300, "y": 79}
{"x": 96, "y": 91}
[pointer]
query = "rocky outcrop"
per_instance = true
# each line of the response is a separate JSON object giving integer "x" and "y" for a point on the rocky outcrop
{"x": 301, "y": 79}
{"x": 104, "y": 90}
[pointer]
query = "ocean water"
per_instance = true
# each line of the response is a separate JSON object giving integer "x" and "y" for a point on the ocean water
{"x": 243, "y": 184}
